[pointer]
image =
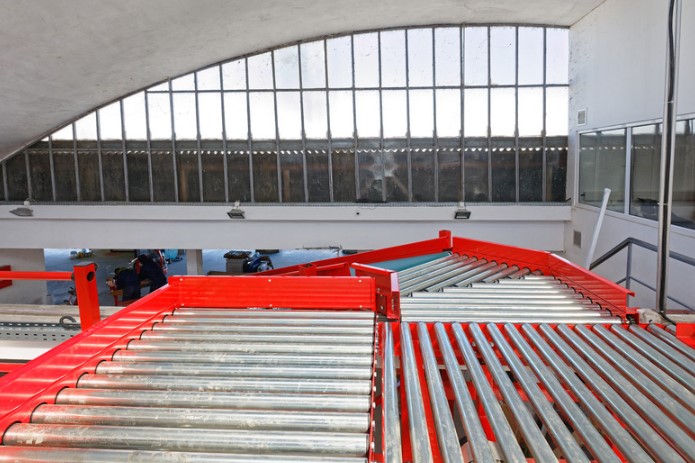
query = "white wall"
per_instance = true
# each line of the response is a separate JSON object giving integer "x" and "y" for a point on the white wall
{"x": 23, "y": 292}
{"x": 617, "y": 72}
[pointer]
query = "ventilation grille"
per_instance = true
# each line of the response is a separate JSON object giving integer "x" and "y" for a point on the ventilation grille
{"x": 578, "y": 238}
{"x": 581, "y": 117}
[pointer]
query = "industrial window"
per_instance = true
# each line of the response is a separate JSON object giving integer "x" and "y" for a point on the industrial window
{"x": 415, "y": 115}
{"x": 602, "y": 165}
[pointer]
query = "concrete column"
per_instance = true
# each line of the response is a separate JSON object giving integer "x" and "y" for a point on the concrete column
{"x": 194, "y": 261}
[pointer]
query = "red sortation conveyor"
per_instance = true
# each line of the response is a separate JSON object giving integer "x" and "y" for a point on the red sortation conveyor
{"x": 443, "y": 350}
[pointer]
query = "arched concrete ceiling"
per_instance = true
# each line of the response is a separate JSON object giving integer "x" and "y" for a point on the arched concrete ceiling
{"x": 59, "y": 60}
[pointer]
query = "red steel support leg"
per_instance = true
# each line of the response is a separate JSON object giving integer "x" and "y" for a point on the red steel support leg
{"x": 87, "y": 294}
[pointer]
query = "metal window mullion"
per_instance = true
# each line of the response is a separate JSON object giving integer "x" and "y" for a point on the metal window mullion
{"x": 627, "y": 195}
{"x": 544, "y": 194}
{"x": 328, "y": 126}
{"x": 435, "y": 137}
{"x": 150, "y": 179}
{"x": 516, "y": 121}
{"x": 250, "y": 134}
{"x": 354, "y": 120}
{"x": 277, "y": 128}
{"x": 28, "y": 169}
{"x": 99, "y": 158}
{"x": 4, "y": 181}
{"x": 77, "y": 163}
{"x": 224, "y": 138}
{"x": 301, "y": 115}
{"x": 125, "y": 155}
{"x": 462, "y": 55}
{"x": 173, "y": 145}
{"x": 407, "y": 110}
{"x": 381, "y": 122}
{"x": 489, "y": 119}
{"x": 199, "y": 144}
{"x": 51, "y": 164}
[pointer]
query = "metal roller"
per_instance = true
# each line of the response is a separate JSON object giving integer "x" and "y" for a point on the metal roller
{"x": 239, "y": 370}
{"x": 429, "y": 264}
{"x": 673, "y": 354}
{"x": 510, "y": 285}
{"x": 532, "y": 436}
{"x": 262, "y": 328}
{"x": 91, "y": 455}
{"x": 449, "y": 446}
{"x": 268, "y": 322}
{"x": 193, "y": 399}
{"x": 234, "y": 358}
{"x": 448, "y": 299}
{"x": 260, "y": 347}
{"x": 482, "y": 275}
{"x": 521, "y": 273}
{"x": 253, "y": 338}
{"x": 491, "y": 289}
{"x": 425, "y": 309}
{"x": 503, "y": 432}
{"x": 473, "y": 269}
{"x": 465, "y": 296}
{"x": 419, "y": 438}
{"x": 197, "y": 418}
{"x": 652, "y": 441}
{"x": 533, "y": 277}
{"x": 188, "y": 439}
{"x": 511, "y": 319}
{"x": 672, "y": 341}
{"x": 315, "y": 315}
{"x": 464, "y": 402}
{"x": 392, "y": 423}
{"x": 217, "y": 384}
{"x": 593, "y": 439}
{"x": 455, "y": 273}
{"x": 432, "y": 278}
{"x": 438, "y": 269}
{"x": 501, "y": 274}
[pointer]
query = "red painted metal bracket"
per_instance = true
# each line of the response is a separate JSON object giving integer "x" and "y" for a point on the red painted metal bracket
{"x": 388, "y": 295}
{"x": 5, "y": 283}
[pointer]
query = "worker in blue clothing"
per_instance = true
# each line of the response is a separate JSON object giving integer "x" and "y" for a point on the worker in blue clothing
{"x": 150, "y": 270}
{"x": 128, "y": 281}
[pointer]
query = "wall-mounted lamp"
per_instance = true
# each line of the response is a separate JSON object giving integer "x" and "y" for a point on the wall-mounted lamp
{"x": 236, "y": 213}
{"x": 462, "y": 212}
{"x": 23, "y": 212}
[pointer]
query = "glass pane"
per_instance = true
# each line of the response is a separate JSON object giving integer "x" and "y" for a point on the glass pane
{"x": 17, "y": 185}
{"x": 234, "y": 75}
{"x": 530, "y": 112}
{"x": 684, "y": 176}
{"x": 602, "y": 165}
{"x": 371, "y": 176}
{"x": 265, "y": 177}
{"x": 556, "y": 174}
{"x": 185, "y": 126}
{"x": 420, "y": 66}
{"x": 393, "y": 59}
{"x": 395, "y": 118}
{"x": 163, "y": 176}
{"x": 134, "y": 115}
{"x": 114, "y": 182}
{"x": 262, "y": 116}
{"x": 287, "y": 67}
{"x": 531, "y": 174}
{"x": 342, "y": 117}
{"x": 236, "y": 123}
{"x": 502, "y": 55}
{"x": 187, "y": 171}
{"x": 315, "y": 117}
{"x": 556, "y": 111}
{"x": 421, "y": 113}
{"x": 476, "y": 174}
{"x": 313, "y": 65}
{"x": 292, "y": 177}
{"x": 423, "y": 174}
{"x": 159, "y": 113}
{"x": 396, "y": 173}
{"x": 447, "y": 55}
{"x": 210, "y": 107}
{"x": 343, "y": 176}
{"x": 88, "y": 168}
{"x": 475, "y": 113}
{"x": 475, "y": 56}
{"x": 86, "y": 129}
{"x": 238, "y": 176}
{"x": 186, "y": 82}
{"x": 448, "y": 113}
{"x": 138, "y": 176}
{"x": 66, "y": 181}
{"x": 110, "y": 122}
{"x": 503, "y": 159}
{"x": 260, "y": 71}
{"x": 213, "y": 176}
{"x": 368, "y": 113}
{"x": 208, "y": 79}
{"x": 339, "y": 62}
{"x": 63, "y": 134}
{"x": 317, "y": 170}
{"x": 646, "y": 159}
{"x": 449, "y": 179}
{"x": 557, "y": 49}
{"x": 502, "y": 112}
{"x": 40, "y": 171}
{"x": 289, "y": 116}
{"x": 366, "y": 60}
{"x": 163, "y": 87}
{"x": 530, "y": 55}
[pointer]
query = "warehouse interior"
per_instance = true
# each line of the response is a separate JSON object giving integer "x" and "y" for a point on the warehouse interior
{"x": 331, "y": 126}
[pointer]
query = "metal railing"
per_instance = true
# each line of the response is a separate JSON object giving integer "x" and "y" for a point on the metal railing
{"x": 628, "y": 243}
